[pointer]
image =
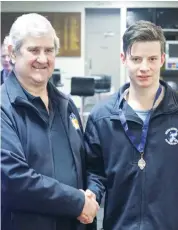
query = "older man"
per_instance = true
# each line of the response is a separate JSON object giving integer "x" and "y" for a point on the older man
{"x": 42, "y": 151}
{"x": 5, "y": 61}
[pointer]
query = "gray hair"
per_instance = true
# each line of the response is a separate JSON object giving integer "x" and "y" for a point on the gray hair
{"x": 34, "y": 25}
{"x": 6, "y": 41}
{"x": 143, "y": 31}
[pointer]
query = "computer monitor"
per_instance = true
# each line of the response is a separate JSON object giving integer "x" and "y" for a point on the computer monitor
{"x": 171, "y": 49}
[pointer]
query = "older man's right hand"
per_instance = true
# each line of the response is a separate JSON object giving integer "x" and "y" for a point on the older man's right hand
{"x": 89, "y": 210}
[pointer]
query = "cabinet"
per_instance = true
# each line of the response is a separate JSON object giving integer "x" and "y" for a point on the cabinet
{"x": 167, "y": 18}
{"x": 136, "y": 14}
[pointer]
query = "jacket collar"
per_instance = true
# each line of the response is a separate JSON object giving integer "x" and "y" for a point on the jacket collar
{"x": 167, "y": 105}
{"x": 170, "y": 100}
{"x": 16, "y": 93}
{"x": 14, "y": 89}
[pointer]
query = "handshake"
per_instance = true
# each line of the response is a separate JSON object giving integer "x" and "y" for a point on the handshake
{"x": 90, "y": 208}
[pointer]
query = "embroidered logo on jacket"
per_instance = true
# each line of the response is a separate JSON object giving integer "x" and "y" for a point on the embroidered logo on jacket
{"x": 172, "y": 136}
{"x": 74, "y": 121}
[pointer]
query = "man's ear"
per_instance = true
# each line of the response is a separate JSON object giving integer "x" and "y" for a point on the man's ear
{"x": 163, "y": 59}
{"x": 11, "y": 54}
{"x": 123, "y": 58}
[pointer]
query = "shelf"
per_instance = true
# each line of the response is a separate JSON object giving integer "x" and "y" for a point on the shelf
{"x": 169, "y": 73}
{"x": 170, "y": 30}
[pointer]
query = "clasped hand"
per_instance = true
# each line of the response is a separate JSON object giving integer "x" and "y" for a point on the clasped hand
{"x": 90, "y": 208}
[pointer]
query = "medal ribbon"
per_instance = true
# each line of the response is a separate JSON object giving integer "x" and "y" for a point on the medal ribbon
{"x": 141, "y": 146}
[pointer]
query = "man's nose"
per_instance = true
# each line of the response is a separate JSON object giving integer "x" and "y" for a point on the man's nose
{"x": 144, "y": 66}
{"x": 42, "y": 58}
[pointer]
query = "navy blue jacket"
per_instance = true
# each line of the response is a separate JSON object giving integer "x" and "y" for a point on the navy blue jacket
{"x": 135, "y": 199}
{"x": 2, "y": 79}
{"x": 32, "y": 199}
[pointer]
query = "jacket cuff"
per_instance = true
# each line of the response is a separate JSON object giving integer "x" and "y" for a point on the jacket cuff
{"x": 96, "y": 192}
{"x": 79, "y": 203}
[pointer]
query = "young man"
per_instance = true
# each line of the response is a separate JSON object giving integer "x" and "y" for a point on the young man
{"x": 132, "y": 140}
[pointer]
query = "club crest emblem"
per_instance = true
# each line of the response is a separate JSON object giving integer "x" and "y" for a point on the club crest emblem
{"x": 74, "y": 121}
{"x": 172, "y": 136}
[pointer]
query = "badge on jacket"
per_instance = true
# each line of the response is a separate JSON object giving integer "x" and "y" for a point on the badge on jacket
{"x": 74, "y": 121}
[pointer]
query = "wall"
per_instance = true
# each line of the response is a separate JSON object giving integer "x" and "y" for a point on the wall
{"x": 75, "y": 66}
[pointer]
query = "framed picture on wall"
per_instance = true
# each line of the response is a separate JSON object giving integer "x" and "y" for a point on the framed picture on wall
{"x": 66, "y": 24}
{"x": 68, "y": 28}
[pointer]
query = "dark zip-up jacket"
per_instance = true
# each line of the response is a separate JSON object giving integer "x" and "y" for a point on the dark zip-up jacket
{"x": 32, "y": 196}
{"x": 135, "y": 199}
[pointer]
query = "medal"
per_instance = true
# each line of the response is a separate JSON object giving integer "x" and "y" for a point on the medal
{"x": 141, "y": 163}
{"x": 140, "y": 147}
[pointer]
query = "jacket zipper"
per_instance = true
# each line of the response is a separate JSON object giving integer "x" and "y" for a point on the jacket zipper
{"x": 142, "y": 205}
{"x": 51, "y": 149}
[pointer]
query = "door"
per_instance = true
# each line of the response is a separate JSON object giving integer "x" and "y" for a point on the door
{"x": 103, "y": 43}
